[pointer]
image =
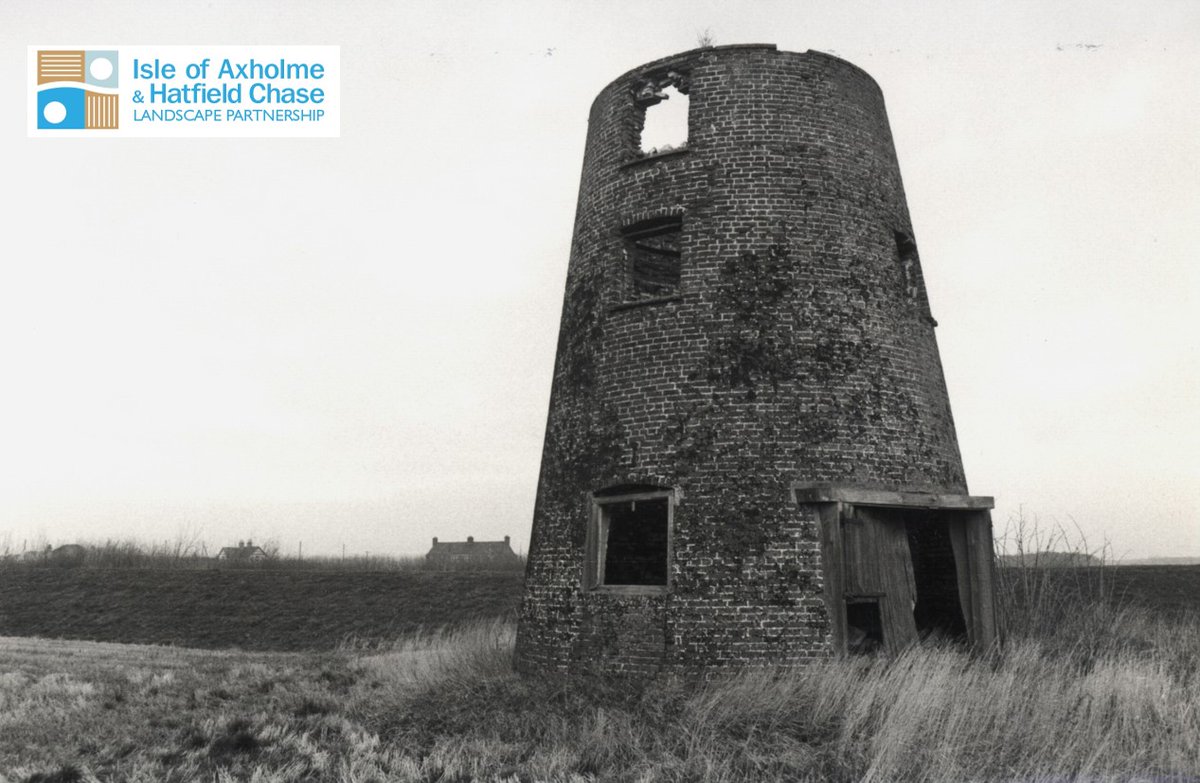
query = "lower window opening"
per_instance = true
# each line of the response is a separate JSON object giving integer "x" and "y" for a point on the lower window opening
{"x": 635, "y": 545}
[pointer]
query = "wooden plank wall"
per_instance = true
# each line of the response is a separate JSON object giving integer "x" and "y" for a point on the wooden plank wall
{"x": 878, "y": 563}
{"x": 834, "y": 568}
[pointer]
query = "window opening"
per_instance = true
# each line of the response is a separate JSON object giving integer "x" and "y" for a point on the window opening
{"x": 633, "y": 541}
{"x": 665, "y": 127}
{"x": 664, "y": 108}
{"x": 654, "y": 256}
{"x": 906, "y": 254}
{"x": 864, "y": 626}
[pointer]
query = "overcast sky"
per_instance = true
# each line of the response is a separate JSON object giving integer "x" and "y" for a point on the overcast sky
{"x": 348, "y": 342}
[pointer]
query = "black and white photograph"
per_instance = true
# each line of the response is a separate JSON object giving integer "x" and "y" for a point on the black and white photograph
{"x": 582, "y": 391}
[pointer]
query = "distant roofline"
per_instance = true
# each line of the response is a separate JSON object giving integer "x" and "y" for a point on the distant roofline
{"x": 439, "y": 542}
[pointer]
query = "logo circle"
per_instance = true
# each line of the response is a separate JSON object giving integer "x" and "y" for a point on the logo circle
{"x": 54, "y": 112}
{"x": 100, "y": 68}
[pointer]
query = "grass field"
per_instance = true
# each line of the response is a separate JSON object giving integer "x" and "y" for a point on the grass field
{"x": 279, "y": 610}
{"x": 1084, "y": 690}
{"x": 1159, "y": 587}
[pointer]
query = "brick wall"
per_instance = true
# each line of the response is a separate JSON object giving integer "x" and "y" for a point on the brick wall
{"x": 800, "y": 347}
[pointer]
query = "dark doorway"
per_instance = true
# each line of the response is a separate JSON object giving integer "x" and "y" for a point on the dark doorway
{"x": 938, "y": 608}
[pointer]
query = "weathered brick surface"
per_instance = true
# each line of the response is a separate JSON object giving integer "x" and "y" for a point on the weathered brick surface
{"x": 800, "y": 348}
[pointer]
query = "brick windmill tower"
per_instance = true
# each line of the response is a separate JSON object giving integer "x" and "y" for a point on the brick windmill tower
{"x": 749, "y": 455}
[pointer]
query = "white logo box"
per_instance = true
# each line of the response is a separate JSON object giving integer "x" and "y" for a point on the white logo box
{"x": 195, "y": 91}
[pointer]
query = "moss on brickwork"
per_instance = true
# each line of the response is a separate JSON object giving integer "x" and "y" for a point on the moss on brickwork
{"x": 753, "y": 347}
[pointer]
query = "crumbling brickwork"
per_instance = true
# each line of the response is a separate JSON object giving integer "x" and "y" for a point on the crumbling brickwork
{"x": 797, "y": 346}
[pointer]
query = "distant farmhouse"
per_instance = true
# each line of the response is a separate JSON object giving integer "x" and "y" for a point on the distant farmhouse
{"x": 67, "y": 554}
{"x": 472, "y": 554}
{"x": 244, "y": 552}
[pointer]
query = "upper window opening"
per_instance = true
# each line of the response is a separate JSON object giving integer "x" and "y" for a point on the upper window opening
{"x": 666, "y": 124}
{"x": 654, "y": 256}
{"x": 906, "y": 254}
{"x": 632, "y": 540}
{"x": 664, "y": 105}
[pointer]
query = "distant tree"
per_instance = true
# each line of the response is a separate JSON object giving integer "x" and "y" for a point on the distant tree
{"x": 270, "y": 547}
{"x": 189, "y": 542}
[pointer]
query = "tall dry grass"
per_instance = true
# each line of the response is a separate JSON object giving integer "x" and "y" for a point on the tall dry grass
{"x": 1127, "y": 711}
{"x": 1085, "y": 687}
{"x": 1053, "y": 584}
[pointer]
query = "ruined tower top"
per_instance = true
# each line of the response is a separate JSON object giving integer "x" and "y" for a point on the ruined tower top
{"x": 745, "y": 324}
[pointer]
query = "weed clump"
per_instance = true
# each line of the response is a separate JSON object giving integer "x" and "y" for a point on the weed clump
{"x": 236, "y": 740}
{"x": 314, "y": 706}
{"x": 67, "y": 773}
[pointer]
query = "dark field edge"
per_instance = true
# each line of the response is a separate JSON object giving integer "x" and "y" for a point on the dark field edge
{"x": 322, "y": 610}
{"x": 249, "y": 610}
{"x": 1170, "y": 588}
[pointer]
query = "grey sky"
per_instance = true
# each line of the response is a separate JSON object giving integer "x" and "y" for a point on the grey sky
{"x": 350, "y": 341}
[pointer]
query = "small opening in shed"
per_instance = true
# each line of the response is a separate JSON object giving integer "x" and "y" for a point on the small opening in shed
{"x": 653, "y": 252}
{"x": 864, "y": 626}
{"x": 635, "y": 549}
{"x": 938, "y": 609}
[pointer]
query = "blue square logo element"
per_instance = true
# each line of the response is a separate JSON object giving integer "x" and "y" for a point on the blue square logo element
{"x": 61, "y": 108}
